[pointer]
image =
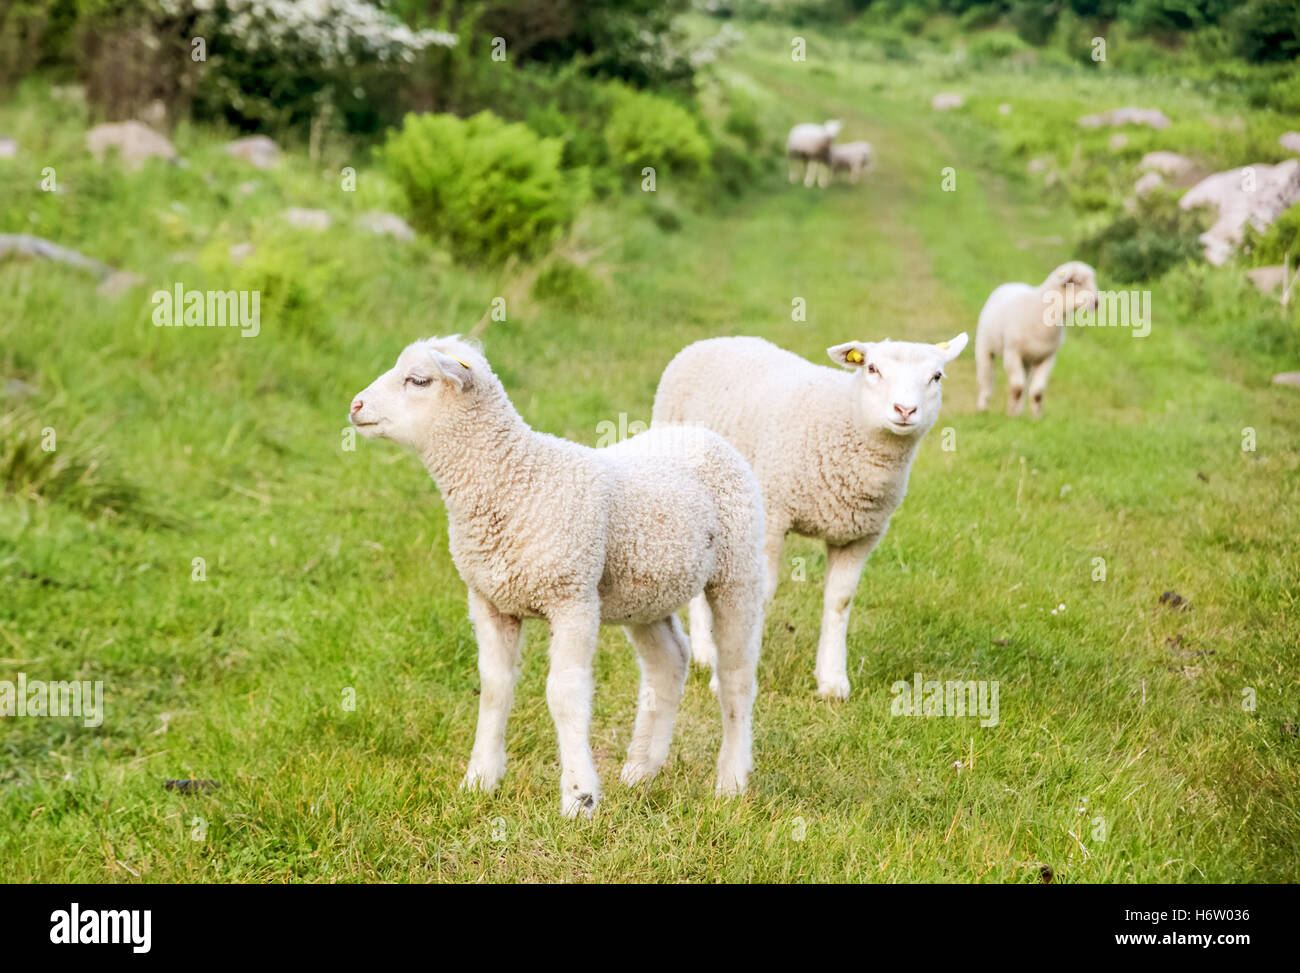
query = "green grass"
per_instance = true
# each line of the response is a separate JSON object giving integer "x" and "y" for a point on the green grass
{"x": 327, "y": 570}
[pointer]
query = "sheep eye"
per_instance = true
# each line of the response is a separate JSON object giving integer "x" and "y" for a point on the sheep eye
{"x": 872, "y": 369}
{"x": 936, "y": 376}
{"x": 421, "y": 382}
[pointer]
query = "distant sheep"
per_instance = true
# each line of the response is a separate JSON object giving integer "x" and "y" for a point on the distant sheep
{"x": 541, "y": 527}
{"x": 1026, "y": 326}
{"x": 851, "y": 157}
{"x": 832, "y": 451}
{"x": 809, "y": 145}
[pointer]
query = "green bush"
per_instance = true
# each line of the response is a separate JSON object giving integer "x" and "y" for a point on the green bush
{"x": 489, "y": 188}
{"x": 648, "y": 130}
{"x": 1145, "y": 244}
{"x": 992, "y": 46}
{"x": 1282, "y": 238}
{"x": 564, "y": 283}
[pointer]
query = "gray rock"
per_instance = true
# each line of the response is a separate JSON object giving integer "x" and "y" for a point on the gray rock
{"x": 135, "y": 142}
{"x": 1169, "y": 163}
{"x": 1290, "y": 141}
{"x": 1127, "y": 116}
{"x": 946, "y": 101}
{"x": 258, "y": 151}
{"x": 308, "y": 219}
{"x": 1287, "y": 378}
{"x": 386, "y": 224}
{"x": 8, "y": 148}
{"x": 1257, "y": 195}
{"x": 1267, "y": 279}
{"x": 118, "y": 283}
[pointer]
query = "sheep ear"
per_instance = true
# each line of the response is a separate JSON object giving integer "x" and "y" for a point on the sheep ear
{"x": 454, "y": 371}
{"x": 952, "y": 348}
{"x": 851, "y": 354}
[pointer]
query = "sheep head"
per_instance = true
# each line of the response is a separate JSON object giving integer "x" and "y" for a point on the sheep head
{"x": 431, "y": 379}
{"x": 897, "y": 384}
{"x": 1077, "y": 282}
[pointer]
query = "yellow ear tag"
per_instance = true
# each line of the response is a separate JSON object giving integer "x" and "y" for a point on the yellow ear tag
{"x": 854, "y": 356}
{"x": 943, "y": 346}
{"x": 463, "y": 365}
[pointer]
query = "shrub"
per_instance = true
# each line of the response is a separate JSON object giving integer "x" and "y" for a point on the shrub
{"x": 1272, "y": 245}
{"x": 489, "y": 188}
{"x": 1146, "y": 244}
{"x": 994, "y": 45}
{"x": 648, "y": 130}
{"x": 564, "y": 283}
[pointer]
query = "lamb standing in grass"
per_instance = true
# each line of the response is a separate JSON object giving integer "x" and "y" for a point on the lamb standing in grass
{"x": 853, "y": 158}
{"x": 541, "y": 527}
{"x": 809, "y": 144}
{"x": 832, "y": 451}
{"x": 1026, "y": 326}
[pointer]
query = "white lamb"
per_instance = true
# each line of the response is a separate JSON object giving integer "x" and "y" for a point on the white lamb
{"x": 853, "y": 158}
{"x": 832, "y": 451}
{"x": 1026, "y": 326}
{"x": 541, "y": 527}
{"x": 809, "y": 144}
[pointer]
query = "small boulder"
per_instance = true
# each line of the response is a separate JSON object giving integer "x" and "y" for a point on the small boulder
{"x": 118, "y": 283}
{"x": 1148, "y": 182}
{"x": 1267, "y": 279}
{"x": 308, "y": 219}
{"x": 386, "y": 224}
{"x": 1004, "y": 109}
{"x": 1169, "y": 163}
{"x": 1290, "y": 141}
{"x": 1118, "y": 141}
{"x": 1037, "y": 165}
{"x": 1152, "y": 117}
{"x": 258, "y": 151}
{"x": 945, "y": 101}
{"x": 1287, "y": 378}
{"x": 135, "y": 142}
{"x": 8, "y": 148}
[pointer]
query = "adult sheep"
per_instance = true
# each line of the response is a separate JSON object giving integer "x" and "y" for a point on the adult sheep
{"x": 832, "y": 451}
{"x": 1026, "y": 326}
{"x": 809, "y": 144}
{"x": 541, "y": 527}
{"x": 851, "y": 157}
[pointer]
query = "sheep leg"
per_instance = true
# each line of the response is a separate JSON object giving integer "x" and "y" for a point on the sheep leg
{"x": 823, "y": 175}
{"x": 703, "y": 650}
{"x": 773, "y": 544}
{"x": 810, "y": 173}
{"x": 738, "y": 628}
{"x": 1015, "y": 367}
{"x": 499, "y": 638}
{"x": 664, "y": 657}
{"x": 568, "y": 696}
{"x": 983, "y": 371}
{"x": 843, "y": 569}
{"x": 1038, "y": 384}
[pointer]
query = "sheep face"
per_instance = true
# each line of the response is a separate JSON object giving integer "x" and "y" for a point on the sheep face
{"x": 403, "y": 404}
{"x": 897, "y": 385}
{"x": 1078, "y": 282}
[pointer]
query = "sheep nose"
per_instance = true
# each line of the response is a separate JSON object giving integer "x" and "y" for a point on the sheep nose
{"x": 356, "y": 405}
{"x": 905, "y": 411}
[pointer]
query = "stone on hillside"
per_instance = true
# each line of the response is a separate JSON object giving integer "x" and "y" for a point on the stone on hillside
{"x": 1004, "y": 109}
{"x": 134, "y": 142}
{"x": 1251, "y": 194}
{"x": 18, "y": 389}
{"x": 258, "y": 151}
{"x": 1127, "y": 116}
{"x": 308, "y": 219}
{"x": 946, "y": 100}
{"x": 1037, "y": 165}
{"x": 1147, "y": 183}
{"x": 8, "y": 148}
{"x": 1290, "y": 141}
{"x": 1287, "y": 378}
{"x": 1118, "y": 141}
{"x": 1267, "y": 279}
{"x": 1169, "y": 163}
{"x": 386, "y": 224}
{"x": 118, "y": 283}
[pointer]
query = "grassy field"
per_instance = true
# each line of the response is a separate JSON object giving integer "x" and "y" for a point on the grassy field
{"x": 1123, "y": 752}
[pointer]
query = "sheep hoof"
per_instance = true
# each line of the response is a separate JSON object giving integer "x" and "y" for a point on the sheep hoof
{"x": 834, "y": 689}
{"x": 583, "y": 805}
{"x": 731, "y": 782}
{"x": 636, "y": 771}
{"x": 481, "y": 777}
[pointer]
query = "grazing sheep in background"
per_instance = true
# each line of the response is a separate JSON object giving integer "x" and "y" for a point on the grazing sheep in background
{"x": 832, "y": 451}
{"x": 810, "y": 144}
{"x": 541, "y": 527}
{"x": 853, "y": 158}
{"x": 1026, "y": 326}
